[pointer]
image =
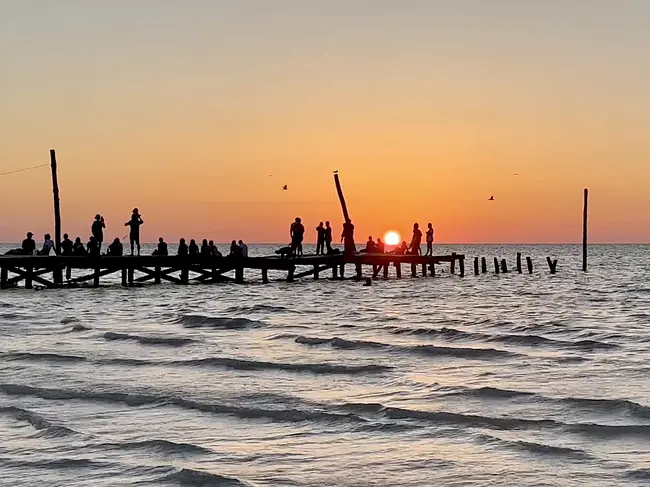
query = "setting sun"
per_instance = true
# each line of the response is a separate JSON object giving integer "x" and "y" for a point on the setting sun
{"x": 392, "y": 238}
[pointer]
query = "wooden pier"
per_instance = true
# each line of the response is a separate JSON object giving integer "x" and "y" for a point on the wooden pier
{"x": 48, "y": 271}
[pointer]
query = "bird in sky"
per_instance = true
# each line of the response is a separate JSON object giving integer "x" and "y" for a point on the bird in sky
{"x": 491, "y": 198}
{"x": 285, "y": 187}
{"x": 336, "y": 172}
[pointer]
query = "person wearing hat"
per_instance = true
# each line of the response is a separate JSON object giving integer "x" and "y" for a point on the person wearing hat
{"x": 134, "y": 234}
{"x": 29, "y": 246}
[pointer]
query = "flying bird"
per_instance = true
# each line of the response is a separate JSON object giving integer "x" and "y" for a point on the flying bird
{"x": 516, "y": 174}
{"x": 491, "y": 198}
{"x": 285, "y": 187}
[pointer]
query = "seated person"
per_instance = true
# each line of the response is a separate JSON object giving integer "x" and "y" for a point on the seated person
{"x": 162, "y": 248}
{"x": 116, "y": 249}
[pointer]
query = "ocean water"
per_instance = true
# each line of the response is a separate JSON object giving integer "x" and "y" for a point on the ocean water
{"x": 532, "y": 380}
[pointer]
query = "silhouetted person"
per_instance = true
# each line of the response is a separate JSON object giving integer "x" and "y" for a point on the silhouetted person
{"x": 380, "y": 248}
{"x": 28, "y": 246}
{"x": 347, "y": 237}
{"x": 235, "y": 250}
{"x": 97, "y": 229}
{"x": 297, "y": 232}
{"x": 78, "y": 247}
{"x": 214, "y": 251}
{"x": 401, "y": 249}
{"x": 66, "y": 245}
{"x": 116, "y": 249}
{"x": 162, "y": 248}
{"x": 328, "y": 237}
{"x": 205, "y": 248}
{"x": 370, "y": 246}
{"x": 134, "y": 232}
{"x": 244, "y": 248}
{"x": 182, "y": 248}
{"x": 429, "y": 239}
{"x": 320, "y": 239}
{"x": 93, "y": 247}
{"x": 194, "y": 249}
{"x": 416, "y": 240}
{"x": 48, "y": 245}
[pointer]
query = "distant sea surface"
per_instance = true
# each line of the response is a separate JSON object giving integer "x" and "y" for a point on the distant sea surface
{"x": 509, "y": 380}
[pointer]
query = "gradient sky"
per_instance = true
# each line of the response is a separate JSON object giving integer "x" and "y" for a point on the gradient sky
{"x": 425, "y": 107}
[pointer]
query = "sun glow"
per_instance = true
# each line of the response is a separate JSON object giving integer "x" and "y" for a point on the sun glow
{"x": 392, "y": 238}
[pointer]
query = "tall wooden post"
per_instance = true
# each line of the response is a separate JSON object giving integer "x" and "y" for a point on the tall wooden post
{"x": 584, "y": 231}
{"x": 344, "y": 207}
{"x": 57, "y": 205}
{"x": 519, "y": 262}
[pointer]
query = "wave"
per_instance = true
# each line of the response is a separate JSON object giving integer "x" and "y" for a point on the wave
{"x": 35, "y": 356}
{"x": 477, "y": 421}
{"x": 188, "y": 477}
{"x": 69, "y": 319}
{"x": 256, "y": 308}
{"x": 432, "y": 350}
{"x": 527, "y": 340}
{"x": 282, "y": 415}
{"x": 162, "y": 446}
{"x": 37, "y": 421}
{"x": 537, "y": 448}
{"x": 316, "y": 368}
{"x": 80, "y": 327}
{"x": 149, "y": 340}
{"x": 225, "y": 323}
{"x": 623, "y": 406}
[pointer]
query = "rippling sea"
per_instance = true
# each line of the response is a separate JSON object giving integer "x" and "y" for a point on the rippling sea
{"x": 490, "y": 380}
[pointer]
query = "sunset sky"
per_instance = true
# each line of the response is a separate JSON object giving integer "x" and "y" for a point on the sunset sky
{"x": 198, "y": 113}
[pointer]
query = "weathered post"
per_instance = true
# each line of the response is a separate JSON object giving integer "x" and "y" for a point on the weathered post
{"x": 239, "y": 274}
{"x": 452, "y": 268}
{"x": 96, "y": 276}
{"x": 124, "y": 281}
{"x": 483, "y": 265}
{"x": 185, "y": 272}
{"x": 424, "y": 270}
{"x": 4, "y": 276}
{"x": 584, "y": 231}
{"x": 131, "y": 272}
{"x": 461, "y": 266}
{"x": 359, "y": 271}
{"x": 432, "y": 269}
{"x": 57, "y": 275}
{"x": 386, "y": 265}
{"x": 335, "y": 271}
{"x": 265, "y": 275}
{"x": 316, "y": 272}
{"x": 519, "y": 262}
{"x": 291, "y": 270}
{"x": 414, "y": 270}
{"x": 529, "y": 263}
{"x": 398, "y": 269}
{"x": 28, "y": 277}
{"x": 342, "y": 271}
{"x": 496, "y": 265}
{"x": 339, "y": 191}
{"x": 158, "y": 272}
{"x": 476, "y": 266}
{"x": 504, "y": 266}
{"x": 552, "y": 264}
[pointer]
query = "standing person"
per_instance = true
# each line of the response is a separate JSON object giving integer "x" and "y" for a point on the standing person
{"x": 347, "y": 237}
{"x": 235, "y": 250}
{"x": 66, "y": 245}
{"x": 244, "y": 248}
{"x": 48, "y": 245}
{"x": 97, "y": 230}
{"x": 182, "y": 248}
{"x": 416, "y": 240}
{"x": 28, "y": 245}
{"x": 328, "y": 237}
{"x": 320, "y": 239}
{"x": 297, "y": 232}
{"x": 429, "y": 239}
{"x": 134, "y": 232}
{"x": 93, "y": 247}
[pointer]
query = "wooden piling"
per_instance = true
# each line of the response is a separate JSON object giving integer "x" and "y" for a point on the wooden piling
{"x": 359, "y": 271}
{"x": 504, "y": 266}
{"x": 386, "y": 270}
{"x": 239, "y": 274}
{"x": 529, "y": 264}
{"x": 265, "y": 275}
{"x": 461, "y": 266}
{"x": 584, "y": 230}
{"x": 29, "y": 274}
{"x": 476, "y": 266}
{"x": 414, "y": 270}
{"x": 483, "y": 265}
{"x": 158, "y": 273}
{"x": 424, "y": 270}
{"x": 316, "y": 272}
{"x": 291, "y": 270}
{"x": 519, "y": 262}
{"x": 96, "y": 276}
{"x": 131, "y": 272}
{"x": 552, "y": 264}
{"x": 4, "y": 275}
{"x": 335, "y": 271}
{"x": 342, "y": 271}
{"x": 185, "y": 273}
{"x": 339, "y": 191}
{"x": 398, "y": 269}
{"x": 452, "y": 267}
{"x": 496, "y": 265}
{"x": 57, "y": 275}
{"x": 124, "y": 281}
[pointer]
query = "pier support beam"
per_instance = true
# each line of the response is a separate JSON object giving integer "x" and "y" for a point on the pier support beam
{"x": 529, "y": 264}
{"x": 414, "y": 270}
{"x": 519, "y": 262}
{"x": 504, "y": 266}
{"x": 290, "y": 273}
{"x": 359, "y": 271}
{"x": 496, "y": 265}
{"x": 316, "y": 272}
{"x": 342, "y": 272}
{"x": 552, "y": 264}
{"x": 386, "y": 270}
{"x": 398, "y": 269}
{"x": 3, "y": 278}
{"x": 461, "y": 266}
{"x": 265, "y": 275}
{"x": 96, "y": 276}
{"x": 29, "y": 274}
{"x": 476, "y": 266}
{"x": 124, "y": 281}
{"x": 424, "y": 270}
{"x": 239, "y": 275}
{"x": 483, "y": 265}
{"x": 131, "y": 272}
{"x": 335, "y": 271}
{"x": 452, "y": 268}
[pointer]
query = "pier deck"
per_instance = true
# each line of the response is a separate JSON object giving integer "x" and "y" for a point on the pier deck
{"x": 48, "y": 271}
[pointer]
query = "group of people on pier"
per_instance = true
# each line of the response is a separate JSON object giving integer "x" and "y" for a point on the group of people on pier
{"x": 238, "y": 249}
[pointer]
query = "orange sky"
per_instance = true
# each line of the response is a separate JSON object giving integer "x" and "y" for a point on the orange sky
{"x": 426, "y": 110}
